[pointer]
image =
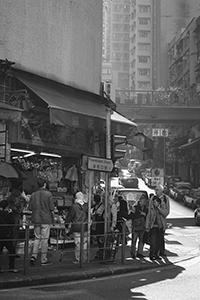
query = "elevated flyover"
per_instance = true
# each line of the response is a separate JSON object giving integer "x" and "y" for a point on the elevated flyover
{"x": 160, "y": 114}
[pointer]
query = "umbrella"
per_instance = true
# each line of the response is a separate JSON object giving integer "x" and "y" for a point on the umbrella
{"x": 8, "y": 171}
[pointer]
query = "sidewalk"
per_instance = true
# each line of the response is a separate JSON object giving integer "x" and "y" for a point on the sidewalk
{"x": 64, "y": 270}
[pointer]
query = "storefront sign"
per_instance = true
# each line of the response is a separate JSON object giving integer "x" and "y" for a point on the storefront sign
{"x": 100, "y": 164}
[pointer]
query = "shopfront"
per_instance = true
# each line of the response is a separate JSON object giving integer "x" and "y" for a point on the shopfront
{"x": 58, "y": 130}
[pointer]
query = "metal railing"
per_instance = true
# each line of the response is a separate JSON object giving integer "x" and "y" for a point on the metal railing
{"x": 113, "y": 244}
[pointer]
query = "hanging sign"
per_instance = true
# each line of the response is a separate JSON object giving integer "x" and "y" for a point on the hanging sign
{"x": 100, "y": 164}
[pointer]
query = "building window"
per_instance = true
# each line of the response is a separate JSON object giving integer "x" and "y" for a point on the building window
{"x": 126, "y": 66}
{"x": 117, "y": 46}
{"x": 126, "y": 8}
{"x": 144, "y": 46}
{"x": 126, "y": 18}
{"x": 144, "y": 21}
{"x": 125, "y": 47}
{"x": 117, "y": 36}
{"x": 117, "y": 27}
{"x": 117, "y": 17}
{"x": 143, "y": 85}
{"x": 144, "y": 34}
{"x": 144, "y": 72}
{"x": 116, "y": 56}
{"x": 144, "y": 59}
{"x": 126, "y": 27}
{"x": 126, "y": 56}
{"x": 116, "y": 8}
{"x": 126, "y": 37}
{"x": 145, "y": 8}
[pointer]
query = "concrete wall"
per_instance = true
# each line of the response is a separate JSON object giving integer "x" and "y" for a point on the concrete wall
{"x": 57, "y": 39}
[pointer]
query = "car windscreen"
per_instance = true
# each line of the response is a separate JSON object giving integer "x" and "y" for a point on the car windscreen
{"x": 132, "y": 195}
{"x": 184, "y": 187}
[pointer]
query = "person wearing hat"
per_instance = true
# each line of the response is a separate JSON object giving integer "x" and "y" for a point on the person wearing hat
{"x": 6, "y": 235}
{"x": 78, "y": 217}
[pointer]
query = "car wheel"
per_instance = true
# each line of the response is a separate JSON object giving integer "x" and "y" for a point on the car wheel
{"x": 196, "y": 221}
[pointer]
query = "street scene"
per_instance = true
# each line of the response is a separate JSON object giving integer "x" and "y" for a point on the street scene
{"x": 100, "y": 149}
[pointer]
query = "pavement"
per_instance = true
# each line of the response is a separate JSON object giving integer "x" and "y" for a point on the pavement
{"x": 63, "y": 270}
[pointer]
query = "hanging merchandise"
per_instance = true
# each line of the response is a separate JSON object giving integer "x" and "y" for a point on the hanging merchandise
{"x": 72, "y": 174}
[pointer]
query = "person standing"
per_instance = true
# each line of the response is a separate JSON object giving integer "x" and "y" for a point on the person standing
{"x": 139, "y": 214}
{"x": 78, "y": 217}
{"x": 16, "y": 203}
{"x": 100, "y": 227}
{"x": 122, "y": 214}
{"x": 42, "y": 206}
{"x": 6, "y": 235}
{"x": 154, "y": 227}
{"x": 164, "y": 210}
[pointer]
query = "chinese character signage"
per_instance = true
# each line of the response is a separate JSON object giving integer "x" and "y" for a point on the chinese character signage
{"x": 163, "y": 132}
{"x": 100, "y": 164}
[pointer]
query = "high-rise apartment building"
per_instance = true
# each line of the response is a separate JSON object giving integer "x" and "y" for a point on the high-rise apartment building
{"x": 136, "y": 34}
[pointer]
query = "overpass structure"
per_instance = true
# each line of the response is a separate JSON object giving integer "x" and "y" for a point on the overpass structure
{"x": 160, "y": 114}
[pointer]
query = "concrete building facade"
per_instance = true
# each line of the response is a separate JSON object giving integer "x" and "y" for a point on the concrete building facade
{"x": 141, "y": 61}
{"x": 58, "y": 40}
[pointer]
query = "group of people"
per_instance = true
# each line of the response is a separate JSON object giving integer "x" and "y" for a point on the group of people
{"x": 146, "y": 220}
{"x": 10, "y": 214}
{"x": 148, "y": 217}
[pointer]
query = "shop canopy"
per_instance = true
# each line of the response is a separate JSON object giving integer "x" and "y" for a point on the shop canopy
{"x": 9, "y": 112}
{"x": 190, "y": 144}
{"x": 73, "y": 107}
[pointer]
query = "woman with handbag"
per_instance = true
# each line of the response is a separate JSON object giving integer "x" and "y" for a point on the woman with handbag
{"x": 6, "y": 235}
{"x": 138, "y": 216}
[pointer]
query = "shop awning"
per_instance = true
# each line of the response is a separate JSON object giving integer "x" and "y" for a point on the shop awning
{"x": 73, "y": 107}
{"x": 190, "y": 144}
{"x": 121, "y": 125}
{"x": 9, "y": 112}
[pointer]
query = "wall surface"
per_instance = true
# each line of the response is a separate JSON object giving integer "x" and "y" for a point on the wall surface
{"x": 57, "y": 39}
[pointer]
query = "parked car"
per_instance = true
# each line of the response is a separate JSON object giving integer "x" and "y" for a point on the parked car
{"x": 192, "y": 198}
{"x": 179, "y": 190}
{"x": 130, "y": 181}
{"x": 169, "y": 182}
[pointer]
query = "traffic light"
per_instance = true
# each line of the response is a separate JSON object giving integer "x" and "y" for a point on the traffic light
{"x": 116, "y": 151}
{"x": 149, "y": 145}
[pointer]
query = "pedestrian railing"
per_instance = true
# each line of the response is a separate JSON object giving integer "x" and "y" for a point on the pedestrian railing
{"x": 103, "y": 247}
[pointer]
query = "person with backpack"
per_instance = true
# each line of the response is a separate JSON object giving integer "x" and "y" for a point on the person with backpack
{"x": 164, "y": 210}
{"x": 78, "y": 217}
